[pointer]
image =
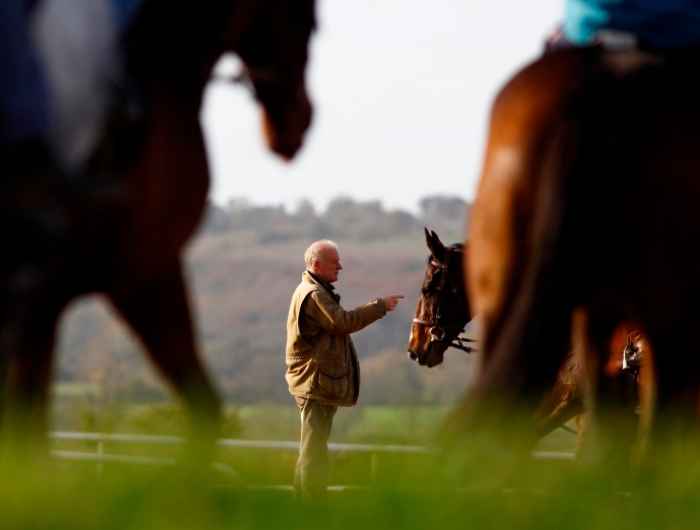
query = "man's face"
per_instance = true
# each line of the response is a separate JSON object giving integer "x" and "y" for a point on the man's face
{"x": 328, "y": 265}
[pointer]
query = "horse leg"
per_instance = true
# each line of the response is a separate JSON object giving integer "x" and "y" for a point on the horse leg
{"x": 565, "y": 400}
{"x": 613, "y": 426}
{"x": 27, "y": 348}
{"x": 157, "y": 310}
{"x": 570, "y": 407}
{"x": 675, "y": 365}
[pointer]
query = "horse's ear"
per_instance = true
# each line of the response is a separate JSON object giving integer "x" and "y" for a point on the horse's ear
{"x": 436, "y": 247}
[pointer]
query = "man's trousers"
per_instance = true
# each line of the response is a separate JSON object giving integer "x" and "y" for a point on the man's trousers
{"x": 311, "y": 473}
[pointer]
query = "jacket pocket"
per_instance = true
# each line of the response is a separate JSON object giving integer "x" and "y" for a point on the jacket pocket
{"x": 333, "y": 387}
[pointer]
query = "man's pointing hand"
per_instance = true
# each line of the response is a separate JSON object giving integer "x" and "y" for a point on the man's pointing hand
{"x": 392, "y": 301}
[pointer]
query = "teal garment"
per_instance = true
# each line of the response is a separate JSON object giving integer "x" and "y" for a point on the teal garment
{"x": 656, "y": 23}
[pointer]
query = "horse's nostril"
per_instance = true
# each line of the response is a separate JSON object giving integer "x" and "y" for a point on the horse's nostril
{"x": 412, "y": 355}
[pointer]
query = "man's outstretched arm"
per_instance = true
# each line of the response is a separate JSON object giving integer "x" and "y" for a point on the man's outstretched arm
{"x": 334, "y": 319}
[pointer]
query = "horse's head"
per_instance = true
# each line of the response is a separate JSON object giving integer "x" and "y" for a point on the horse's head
{"x": 442, "y": 309}
{"x": 271, "y": 37}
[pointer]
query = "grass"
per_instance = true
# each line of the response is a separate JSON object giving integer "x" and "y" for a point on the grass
{"x": 478, "y": 485}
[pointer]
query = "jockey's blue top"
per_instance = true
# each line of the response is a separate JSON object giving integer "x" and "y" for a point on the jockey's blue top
{"x": 655, "y": 23}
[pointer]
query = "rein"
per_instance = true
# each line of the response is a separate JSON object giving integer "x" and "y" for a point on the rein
{"x": 438, "y": 334}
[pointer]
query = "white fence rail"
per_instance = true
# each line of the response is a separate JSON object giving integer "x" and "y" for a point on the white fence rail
{"x": 100, "y": 456}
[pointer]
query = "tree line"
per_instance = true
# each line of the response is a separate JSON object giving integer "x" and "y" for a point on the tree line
{"x": 344, "y": 218}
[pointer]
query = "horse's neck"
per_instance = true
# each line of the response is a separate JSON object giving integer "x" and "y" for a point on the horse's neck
{"x": 172, "y": 46}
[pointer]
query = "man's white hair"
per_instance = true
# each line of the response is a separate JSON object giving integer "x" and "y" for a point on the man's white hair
{"x": 316, "y": 249}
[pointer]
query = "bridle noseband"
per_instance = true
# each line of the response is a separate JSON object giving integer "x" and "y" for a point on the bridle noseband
{"x": 439, "y": 330}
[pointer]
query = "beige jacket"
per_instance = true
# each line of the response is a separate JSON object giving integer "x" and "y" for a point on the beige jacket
{"x": 321, "y": 358}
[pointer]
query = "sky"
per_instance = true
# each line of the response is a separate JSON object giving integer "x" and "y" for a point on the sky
{"x": 401, "y": 92}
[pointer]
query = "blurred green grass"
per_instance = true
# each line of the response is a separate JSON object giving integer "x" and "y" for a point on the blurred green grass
{"x": 478, "y": 488}
{"x": 478, "y": 485}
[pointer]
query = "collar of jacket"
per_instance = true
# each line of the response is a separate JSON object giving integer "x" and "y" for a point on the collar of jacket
{"x": 310, "y": 276}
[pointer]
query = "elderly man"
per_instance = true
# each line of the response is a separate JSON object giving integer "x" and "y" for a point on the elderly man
{"x": 323, "y": 371}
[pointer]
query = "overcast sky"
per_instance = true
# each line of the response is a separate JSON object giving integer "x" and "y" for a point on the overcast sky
{"x": 401, "y": 90}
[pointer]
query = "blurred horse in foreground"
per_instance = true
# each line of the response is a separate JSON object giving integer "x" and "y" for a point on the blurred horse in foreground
{"x": 591, "y": 153}
{"x": 144, "y": 195}
{"x": 443, "y": 311}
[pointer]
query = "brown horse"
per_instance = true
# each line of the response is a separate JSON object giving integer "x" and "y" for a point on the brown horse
{"x": 129, "y": 222}
{"x": 443, "y": 310}
{"x": 575, "y": 138}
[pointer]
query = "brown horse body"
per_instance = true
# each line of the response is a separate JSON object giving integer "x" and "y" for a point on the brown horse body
{"x": 130, "y": 224}
{"x": 575, "y": 139}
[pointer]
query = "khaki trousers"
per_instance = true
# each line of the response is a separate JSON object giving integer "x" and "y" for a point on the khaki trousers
{"x": 311, "y": 473}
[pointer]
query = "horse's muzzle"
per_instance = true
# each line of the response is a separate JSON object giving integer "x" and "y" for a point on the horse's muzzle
{"x": 285, "y": 128}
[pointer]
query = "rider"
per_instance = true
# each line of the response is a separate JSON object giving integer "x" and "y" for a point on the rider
{"x": 59, "y": 64}
{"x": 24, "y": 98}
{"x": 653, "y": 24}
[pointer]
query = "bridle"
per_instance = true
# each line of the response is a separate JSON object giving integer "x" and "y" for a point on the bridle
{"x": 439, "y": 328}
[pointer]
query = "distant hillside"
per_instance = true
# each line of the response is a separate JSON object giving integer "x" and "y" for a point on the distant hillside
{"x": 243, "y": 267}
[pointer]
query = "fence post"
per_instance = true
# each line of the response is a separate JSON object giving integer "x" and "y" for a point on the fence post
{"x": 374, "y": 467}
{"x": 100, "y": 454}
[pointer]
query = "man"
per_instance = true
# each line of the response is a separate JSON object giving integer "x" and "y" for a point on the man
{"x": 323, "y": 371}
